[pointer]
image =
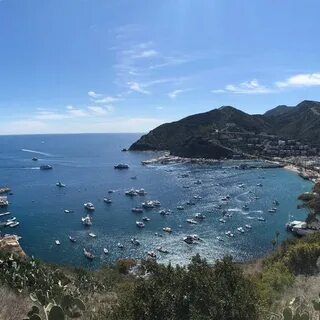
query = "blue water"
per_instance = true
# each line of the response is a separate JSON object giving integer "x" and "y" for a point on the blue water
{"x": 85, "y": 164}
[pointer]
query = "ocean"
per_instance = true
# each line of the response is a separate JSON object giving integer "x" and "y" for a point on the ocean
{"x": 85, "y": 163}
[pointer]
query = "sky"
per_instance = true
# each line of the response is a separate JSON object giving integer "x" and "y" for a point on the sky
{"x": 81, "y": 66}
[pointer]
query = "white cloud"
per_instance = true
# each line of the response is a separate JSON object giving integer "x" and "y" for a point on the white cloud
{"x": 107, "y": 99}
{"x": 135, "y": 86}
{"x": 177, "y": 92}
{"x": 247, "y": 87}
{"x": 77, "y": 112}
{"x": 300, "y": 80}
{"x": 49, "y": 115}
{"x": 98, "y": 110}
{"x": 94, "y": 95}
{"x": 146, "y": 54}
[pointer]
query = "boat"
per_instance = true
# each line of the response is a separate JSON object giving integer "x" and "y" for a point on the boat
{"x": 68, "y": 211}
{"x": 105, "y": 250}
{"x": 15, "y": 224}
{"x": 12, "y": 219}
{"x": 45, "y": 167}
{"x": 157, "y": 234}
{"x": 275, "y": 202}
{"x": 107, "y": 200}
{"x": 152, "y": 254}
{"x": 121, "y": 166}
{"x": 4, "y": 201}
{"x": 120, "y": 245}
{"x": 261, "y": 219}
{"x": 167, "y": 229}
{"x": 140, "y": 224}
{"x": 5, "y": 214}
{"x": 8, "y": 223}
{"x": 196, "y": 197}
{"x": 248, "y": 226}
{"x": 60, "y": 185}
{"x": 162, "y": 250}
{"x": 180, "y": 208}
{"x": 88, "y": 254}
{"x": 110, "y": 191}
{"x": 272, "y": 210}
{"x": 135, "y": 241}
{"x": 57, "y": 242}
{"x": 72, "y": 239}
{"x": 192, "y": 221}
{"x": 151, "y": 204}
{"x": 240, "y": 229}
{"x": 141, "y": 192}
{"x": 199, "y": 216}
{"x": 133, "y": 178}
{"x": 190, "y": 203}
{"x": 137, "y": 210}
{"x": 146, "y": 219}
{"x": 5, "y": 190}
{"x": 259, "y": 184}
{"x": 241, "y": 185}
{"x": 229, "y": 234}
{"x": 222, "y": 220}
{"x": 34, "y": 159}
{"x": 189, "y": 239}
{"x": 132, "y": 193}
{"x": 124, "y": 150}
{"x": 86, "y": 221}
{"x": 245, "y": 207}
{"x": 164, "y": 212}
{"x": 198, "y": 182}
{"x": 89, "y": 206}
{"x": 219, "y": 238}
{"x": 92, "y": 235}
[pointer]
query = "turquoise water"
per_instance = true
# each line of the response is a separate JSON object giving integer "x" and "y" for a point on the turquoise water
{"x": 85, "y": 164}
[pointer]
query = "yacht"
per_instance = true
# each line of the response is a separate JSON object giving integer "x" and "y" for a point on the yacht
{"x": 121, "y": 166}
{"x": 222, "y": 220}
{"x": 199, "y": 216}
{"x": 105, "y": 250}
{"x": 72, "y": 239}
{"x": 259, "y": 184}
{"x": 272, "y": 210}
{"x": 167, "y": 229}
{"x": 57, "y": 242}
{"x": 162, "y": 250}
{"x": 120, "y": 245}
{"x": 135, "y": 241}
{"x": 192, "y": 221}
{"x": 110, "y": 191}
{"x": 92, "y": 235}
{"x": 141, "y": 192}
{"x": 196, "y": 197}
{"x": 180, "y": 208}
{"x": 68, "y": 211}
{"x": 152, "y": 254}
{"x": 89, "y": 206}
{"x": 5, "y": 214}
{"x": 219, "y": 238}
{"x": 261, "y": 219}
{"x": 132, "y": 193}
{"x": 137, "y": 210}
{"x": 4, "y": 201}
{"x": 229, "y": 234}
{"x": 248, "y": 226}
{"x": 189, "y": 239}
{"x": 240, "y": 229}
{"x": 140, "y": 224}
{"x": 191, "y": 203}
{"x": 146, "y": 219}
{"x": 34, "y": 159}
{"x": 15, "y": 224}
{"x": 60, "y": 184}
{"x": 164, "y": 212}
{"x": 88, "y": 254}
{"x": 151, "y": 204}
{"x": 241, "y": 185}
{"x": 46, "y": 167}
{"x": 107, "y": 200}
{"x": 86, "y": 221}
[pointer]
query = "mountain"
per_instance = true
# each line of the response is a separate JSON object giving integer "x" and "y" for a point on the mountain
{"x": 200, "y": 135}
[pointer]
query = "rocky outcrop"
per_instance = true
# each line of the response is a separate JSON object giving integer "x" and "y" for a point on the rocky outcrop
{"x": 10, "y": 244}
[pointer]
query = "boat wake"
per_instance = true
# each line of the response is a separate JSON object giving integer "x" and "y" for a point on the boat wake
{"x": 37, "y": 152}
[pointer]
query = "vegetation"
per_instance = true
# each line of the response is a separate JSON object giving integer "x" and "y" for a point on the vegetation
{"x": 198, "y": 291}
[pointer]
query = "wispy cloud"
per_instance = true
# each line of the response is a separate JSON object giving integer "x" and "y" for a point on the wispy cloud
{"x": 100, "y": 110}
{"x": 135, "y": 86}
{"x": 146, "y": 54}
{"x": 102, "y": 99}
{"x": 247, "y": 87}
{"x": 177, "y": 92}
{"x": 300, "y": 80}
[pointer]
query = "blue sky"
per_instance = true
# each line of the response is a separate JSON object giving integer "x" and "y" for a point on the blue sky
{"x": 128, "y": 66}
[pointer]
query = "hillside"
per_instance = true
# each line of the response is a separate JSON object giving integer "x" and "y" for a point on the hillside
{"x": 199, "y": 135}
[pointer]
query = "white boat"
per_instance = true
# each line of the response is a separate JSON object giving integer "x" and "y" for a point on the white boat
{"x": 135, "y": 241}
{"x": 8, "y": 223}
{"x": 261, "y": 219}
{"x": 229, "y": 234}
{"x": 68, "y": 211}
{"x": 12, "y": 219}
{"x": 152, "y": 254}
{"x": 192, "y": 221}
{"x": 105, "y": 250}
{"x": 241, "y": 185}
{"x": 4, "y": 201}
{"x": 240, "y": 229}
{"x": 140, "y": 224}
{"x": 146, "y": 219}
{"x": 89, "y": 206}
{"x": 162, "y": 250}
{"x": 86, "y": 221}
{"x": 275, "y": 202}
{"x": 57, "y": 242}
{"x": 137, "y": 210}
{"x": 196, "y": 197}
{"x": 259, "y": 184}
{"x": 15, "y": 224}
{"x": 141, "y": 192}
{"x": 60, "y": 184}
{"x": 189, "y": 239}
{"x": 151, "y": 204}
{"x": 120, "y": 245}
{"x": 107, "y": 200}
{"x": 167, "y": 229}
{"x": 222, "y": 220}
{"x": 180, "y": 208}
{"x": 219, "y": 238}
{"x": 199, "y": 216}
{"x": 72, "y": 239}
{"x": 131, "y": 193}
{"x": 272, "y": 210}
{"x": 248, "y": 226}
{"x": 88, "y": 254}
{"x": 164, "y": 212}
{"x": 5, "y": 214}
{"x": 92, "y": 235}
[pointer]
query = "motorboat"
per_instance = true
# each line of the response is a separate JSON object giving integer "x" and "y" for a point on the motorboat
{"x": 259, "y": 184}
{"x": 261, "y": 219}
{"x": 199, "y": 216}
{"x": 120, "y": 245}
{"x": 60, "y": 184}
{"x": 105, "y": 251}
{"x": 121, "y": 166}
{"x": 222, "y": 220}
{"x": 72, "y": 239}
{"x": 180, "y": 208}
{"x": 190, "y": 203}
{"x": 110, "y": 191}
{"x": 167, "y": 229}
{"x": 133, "y": 178}
{"x": 141, "y": 192}
{"x": 107, "y": 200}
{"x": 34, "y": 159}
{"x": 219, "y": 238}
{"x": 4, "y": 201}
{"x": 198, "y": 182}
{"x": 89, "y": 206}
{"x": 241, "y": 185}
{"x": 192, "y": 221}
{"x": 196, "y": 197}
{"x": 5, "y": 214}
{"x": 162, "y": 250}
{"x": 135, "y": 241}
{"x": 229, "y": 234}
{"x": 15, "y": 224}
{"x": 275, "y": 202}
{"x": 92, "y": 235}
{"x": 68, "y": 211}
{"x": 46, "y": 167}
{"x": 132, "y": 193}
{"x": 272, "y": 210}
{"x": 189, "y": 239}
{"x": 164, "y": 212}
{"x": 151, "y": 204}
{"x": 140, "y": 224}
{"x": 157, "y": 234}
{"x": 245, "y": 207}
{"x": 248, "y": 226}
{"x": 146, "y": 219}
{"x": 137, "y": 210}
{"x": 86, "y": 221}
{"x": 151, "y": 254}
{"x": 88, "y": 254}
{"x": 240, "y": 229}
{"x": 57, "y": 242}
